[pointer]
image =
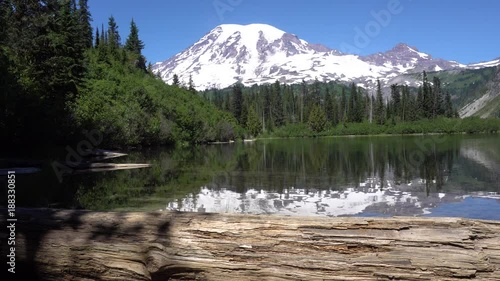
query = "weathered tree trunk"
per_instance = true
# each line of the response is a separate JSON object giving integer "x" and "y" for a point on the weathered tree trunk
{"x": 79, "y": 245}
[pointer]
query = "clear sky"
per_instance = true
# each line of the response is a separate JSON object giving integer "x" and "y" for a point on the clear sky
{"x": 463, "y": 30}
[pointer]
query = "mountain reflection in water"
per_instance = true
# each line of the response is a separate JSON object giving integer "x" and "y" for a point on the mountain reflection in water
{"x": 360, "y": 176}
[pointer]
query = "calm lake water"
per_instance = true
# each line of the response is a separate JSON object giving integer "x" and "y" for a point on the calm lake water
{"x": 348, "y": 176}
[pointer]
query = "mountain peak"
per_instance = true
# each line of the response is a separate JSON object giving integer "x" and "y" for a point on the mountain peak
{"x": 401, "y": 47}
{"x": 260, "y": 53}
{"x": 254, "y": 28}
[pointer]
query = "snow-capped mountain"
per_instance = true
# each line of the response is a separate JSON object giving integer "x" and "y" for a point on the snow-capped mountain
{"x": 260, "y": 53}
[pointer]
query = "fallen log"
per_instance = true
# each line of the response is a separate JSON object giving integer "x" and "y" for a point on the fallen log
{"x": 103, "y": 167}
{"x": 100, "y": 155}
{"x": 81, "y": 245}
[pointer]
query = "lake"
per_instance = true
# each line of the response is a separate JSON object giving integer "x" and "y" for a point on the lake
{"x": 438, "y": 175}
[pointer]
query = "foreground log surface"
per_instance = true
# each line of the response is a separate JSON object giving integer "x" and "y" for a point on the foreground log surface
{"x": 79, "y": 245}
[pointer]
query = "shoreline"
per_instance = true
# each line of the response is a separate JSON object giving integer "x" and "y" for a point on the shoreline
{"x": 379, "y": 135}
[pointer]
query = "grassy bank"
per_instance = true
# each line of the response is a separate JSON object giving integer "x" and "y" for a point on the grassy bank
{"x": 471, "y": 125}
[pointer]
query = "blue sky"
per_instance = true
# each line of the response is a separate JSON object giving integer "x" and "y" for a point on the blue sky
{"x": 465, "y": 31}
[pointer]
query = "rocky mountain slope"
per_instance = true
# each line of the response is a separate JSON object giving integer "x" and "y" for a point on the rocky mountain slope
{"x": 260, "y": 53}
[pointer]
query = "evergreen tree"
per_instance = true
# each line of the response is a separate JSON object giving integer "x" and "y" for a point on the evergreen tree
{"x": 175, "y": 81}
{"x": 316, "y": 94}
{"x": 329, "y": 110}
{"x": 405, "y": 104}
{"x": 237, "y": 102}
{"x": 352, "y": 109}
{"x": 191, "y": 85}
{"x": 428, "y": 100}
{"x": 113, "y": 35}
{"x": 303, "y": 96}
{"x": 360, "y": 105}
{"x": 448, "y": 106}
{"x": 277, "y": 105}
{"x": 439, "y": 107}
{"x": 244, "y": 110}
{"x": 97, "y": 37}
{"x": 420, "y": 104}
{"x": 84, "y": 21}
{"x": 343, "y": 106}
{"x": 379, "y": 106}
{"x": 335, "y": 110}
{"x": 103, "y": 40}
{"x": 317, "y": 119}
{"x": 45, "y": 47}
{"x": 396, "y": 101}
{"x": 253, "y": 124}
{"x": 267, "y": 121}
{"x": 133, "y": 43}
{"x": 289, "y": 105}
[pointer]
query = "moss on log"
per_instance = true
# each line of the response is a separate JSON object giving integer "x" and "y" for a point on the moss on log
{"x": 80, "y": 245}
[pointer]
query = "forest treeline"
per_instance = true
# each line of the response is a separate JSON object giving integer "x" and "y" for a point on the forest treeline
{"x": 321, "y": 105}
{"x": 319, "y": 108}
{"x": 60, "y": 77}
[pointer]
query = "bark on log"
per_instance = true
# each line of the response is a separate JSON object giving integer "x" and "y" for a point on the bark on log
{"x": 80, "y": 245}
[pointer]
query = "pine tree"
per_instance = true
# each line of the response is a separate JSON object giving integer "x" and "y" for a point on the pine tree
{"x": 329, "y": 110}
{"x": 113, "y": 35}
{"x": 133, "y": 43}
{"x": 448, "y": 106}
{"x": 317, "y": 119}
{"x": 244, "y": 111}
{"x": 405, "y": 102}
{"x": 351, "y": 113}
{"x": 97, "y": 37}
{"x": 439, "y": 107}
{"x": 379, "y": 106}
{"x": 254, "y": 126}
{"x": 335, "y": 107}
{"x": 428, "y": 100}
{"x": 343, "y": 106}
{"x": 395, "y": 101}
{"x": 359, "y": 105}
{"x": 303, "y": 96}
{"x": 267, "y": 107}
{"x": 316, "y": 94}
{"x": 237, "y": 102}
{"x": 103, "y": 40}
{"x": 84, "y": 19}
{"x": 420, "y": 104}
{"x": 191, "y": 85}
{"x": 277, "y": 105}
{"x": 175, "y": 81}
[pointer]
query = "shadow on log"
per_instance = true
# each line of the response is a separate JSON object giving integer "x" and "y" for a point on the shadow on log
{"x": 81, "y": 245}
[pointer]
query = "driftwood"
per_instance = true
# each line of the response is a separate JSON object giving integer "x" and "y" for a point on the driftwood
{"x": 79, "y": 245}
{"x": 100, "y": 155}
{"x": 102, "y": 167}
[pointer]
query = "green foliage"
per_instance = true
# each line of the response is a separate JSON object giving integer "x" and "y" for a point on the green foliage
{"x": 84, "y": 19}
{"x": 317, "y": 119}
{"x": 57, "y": 85}
{"x": 379, "y": 111}
{"x": 114, "y": 40}
{"x": 42, "y": 51}
{"x": 237, "y": 104}
{"x": 253, "y": 124}
{"x": 133, "y": 43}
{"x": 131, "y": 107}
